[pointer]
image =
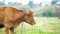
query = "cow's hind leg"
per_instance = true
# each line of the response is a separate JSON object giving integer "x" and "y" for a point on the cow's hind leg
{"x": 12, "y": 30}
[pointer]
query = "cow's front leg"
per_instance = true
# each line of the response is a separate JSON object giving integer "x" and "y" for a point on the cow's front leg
{"x": 12, "y": 30}
{"x": 6, "y": 30}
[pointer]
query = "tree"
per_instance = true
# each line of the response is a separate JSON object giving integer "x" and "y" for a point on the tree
{"x": 2, "y": 3}
{"x": 58, "y": 11}
{"x": 14, "y": 4}
{"x": 44, "y": 14}
{"x": 31, "y": 4}
{"x": 54, "y": 2}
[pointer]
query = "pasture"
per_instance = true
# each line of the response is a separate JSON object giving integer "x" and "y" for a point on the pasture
{"x": 43, "y": 25}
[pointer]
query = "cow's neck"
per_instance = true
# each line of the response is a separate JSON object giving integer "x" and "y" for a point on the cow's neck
{"x": 19, "y": 20}
{"x": 22, "y": 19}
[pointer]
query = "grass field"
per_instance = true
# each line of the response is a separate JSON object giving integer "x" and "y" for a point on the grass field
{"x": 43, "y": 25}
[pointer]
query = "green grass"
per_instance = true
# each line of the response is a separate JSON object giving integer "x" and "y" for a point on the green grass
{"x": 43, "y": 26}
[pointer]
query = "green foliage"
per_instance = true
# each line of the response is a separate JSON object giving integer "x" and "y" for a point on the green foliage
{"x": 49, "y": 11}
{"x": 54, "y": 2}
{"x": 58, "y": 11}
{"x": 14, "y": 4}
{"x": 31, "y": 4}
{"x": 44, "y": 14}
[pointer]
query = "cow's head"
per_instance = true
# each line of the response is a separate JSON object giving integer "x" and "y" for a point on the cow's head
{"x": 29, "y": 17}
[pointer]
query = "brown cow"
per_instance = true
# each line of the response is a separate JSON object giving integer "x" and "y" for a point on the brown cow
{"x": 11, "y": 17}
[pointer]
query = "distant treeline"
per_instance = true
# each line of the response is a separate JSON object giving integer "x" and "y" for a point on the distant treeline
{"x": 48, "y": 11}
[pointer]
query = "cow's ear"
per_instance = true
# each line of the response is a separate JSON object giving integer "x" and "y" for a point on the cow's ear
{"x": 29, "y": 12}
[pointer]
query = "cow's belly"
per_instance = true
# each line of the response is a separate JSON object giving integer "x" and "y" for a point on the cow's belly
{"x": 1, "y": 25}
{"x": 1, "y": 19}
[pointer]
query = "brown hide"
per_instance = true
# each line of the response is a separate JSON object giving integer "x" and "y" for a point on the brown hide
{"x": 11, "y": 17}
